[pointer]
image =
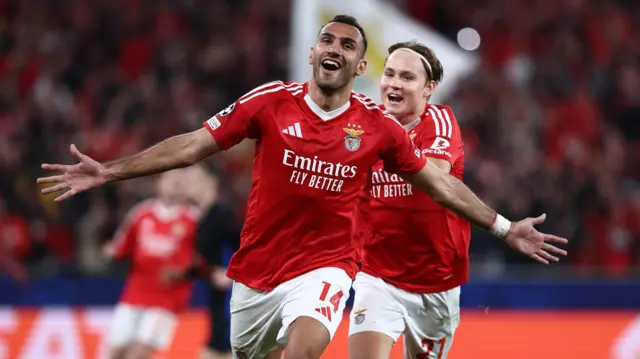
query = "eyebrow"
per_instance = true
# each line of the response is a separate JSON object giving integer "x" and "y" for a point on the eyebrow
{"x": 345, "y": 38}
{"x": 401, "y": 71}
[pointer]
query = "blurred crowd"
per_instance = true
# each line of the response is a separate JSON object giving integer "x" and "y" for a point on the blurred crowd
{"x": 551, "y": 123}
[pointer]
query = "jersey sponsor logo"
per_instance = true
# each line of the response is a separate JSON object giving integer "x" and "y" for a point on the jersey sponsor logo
{"x": 157, "y": 245}
{"x": 436, "y": 152}
{"x": 387, "y": 185}
{"x": 352, "y": 141}
{"x": 153, "y": 243}
{"x": 440, "y": 144}
{"x": 316, "y": 173}
{"x": 438, "y": 147}
{"x": 227, "y": 110}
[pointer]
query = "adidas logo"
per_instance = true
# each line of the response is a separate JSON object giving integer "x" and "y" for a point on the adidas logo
{"x": 326, "y": 311}
{"x": 293, "y": 130}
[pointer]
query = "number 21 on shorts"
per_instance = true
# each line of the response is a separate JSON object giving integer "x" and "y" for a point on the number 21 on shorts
{"x": 429, "y": 344}
{"x": 334, "y": 300}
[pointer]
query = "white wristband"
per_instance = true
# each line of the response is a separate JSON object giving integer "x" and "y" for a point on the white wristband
{"x": 500, "y": 227}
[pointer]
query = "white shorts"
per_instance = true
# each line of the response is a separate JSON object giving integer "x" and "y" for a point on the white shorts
{"x": 427, "y": 321}
{"x": 145, "y": 325}
{"x": 259, "y": 320}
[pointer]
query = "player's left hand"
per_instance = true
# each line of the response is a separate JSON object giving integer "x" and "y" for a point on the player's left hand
{"x": 524, "y": 238}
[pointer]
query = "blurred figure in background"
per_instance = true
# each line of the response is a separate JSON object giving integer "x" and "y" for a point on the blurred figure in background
{"x": 217, "y": 238}
{"x": 156, "y": 233}
{"x": 14, "y": 243}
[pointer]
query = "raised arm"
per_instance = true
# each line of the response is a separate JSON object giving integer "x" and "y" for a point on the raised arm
{"x": 451, "y": 193}
{"x": 402, "y": 157}
{"x": 175, "y": 152}
{"x": 221, "y": 132}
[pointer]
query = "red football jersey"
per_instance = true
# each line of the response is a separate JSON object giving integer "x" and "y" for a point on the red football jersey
{"x": 408, "y": 239}
{"x": 154, "y": 236}
{"x": 309, "y": 167}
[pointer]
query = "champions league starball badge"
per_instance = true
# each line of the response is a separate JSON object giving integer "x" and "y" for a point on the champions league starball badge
{"x": 352, "y": 141}
{"x": 227, "y": 110}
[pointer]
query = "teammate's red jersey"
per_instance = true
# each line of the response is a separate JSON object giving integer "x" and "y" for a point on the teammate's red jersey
{"x": 309, "y": 167}
{"x": 153, "y": 236}
{"x": 409, "y": 240}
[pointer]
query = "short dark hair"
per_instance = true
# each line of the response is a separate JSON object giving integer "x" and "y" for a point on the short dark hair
{"x": 349, "y": 20}
{"x": 434, "y": 69}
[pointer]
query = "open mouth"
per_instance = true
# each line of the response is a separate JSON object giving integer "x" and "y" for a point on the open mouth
{"x": 394, "y": 98}
{"x": 331, "y": 65}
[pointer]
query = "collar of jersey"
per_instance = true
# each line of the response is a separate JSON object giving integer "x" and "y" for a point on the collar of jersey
{"x": 325, "y": 116}
{"x": 164, "y": 212}
{"x": 413, "y": 124}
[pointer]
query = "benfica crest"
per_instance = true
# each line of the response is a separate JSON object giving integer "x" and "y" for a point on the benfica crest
{"x": 359, "y": 318}
{"x": 352, "y": 141}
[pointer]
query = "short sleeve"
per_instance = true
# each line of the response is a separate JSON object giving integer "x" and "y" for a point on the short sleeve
{"x": 239, "y": 120}
{"x": 125, "y": 237}
{"x": 399, "y": 155}
{"x": 442, "y": 139}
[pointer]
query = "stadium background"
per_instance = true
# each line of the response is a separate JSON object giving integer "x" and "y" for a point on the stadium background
{"x": 549, "y": 105}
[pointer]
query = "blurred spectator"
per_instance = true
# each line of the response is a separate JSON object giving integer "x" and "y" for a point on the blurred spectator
{"x": 550, "y": 122}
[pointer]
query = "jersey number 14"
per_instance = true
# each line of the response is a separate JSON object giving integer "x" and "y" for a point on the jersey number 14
{"x": 334, "y": 300}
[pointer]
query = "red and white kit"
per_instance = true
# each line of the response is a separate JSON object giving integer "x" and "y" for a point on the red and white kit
{"x": 153, "y": 236}
{"x": 296, "y": 256}
{"x": 415, "y": 252}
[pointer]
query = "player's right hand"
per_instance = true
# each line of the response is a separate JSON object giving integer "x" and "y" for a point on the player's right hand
{"x": 219, "y": 278}
{"x": 73, "y": 179}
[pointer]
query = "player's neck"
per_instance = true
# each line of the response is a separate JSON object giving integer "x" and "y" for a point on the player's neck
{"x": 329, "y": 101}
{"x": 410, "y": 117}
{"x": 167, "y": 203}
{"x": 407, "y": 118}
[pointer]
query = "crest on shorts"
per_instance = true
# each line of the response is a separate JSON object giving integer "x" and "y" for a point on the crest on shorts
{"x": 359, "y": 318}
{"x": 352, "y": 141}
{"x": 240, "y": 354}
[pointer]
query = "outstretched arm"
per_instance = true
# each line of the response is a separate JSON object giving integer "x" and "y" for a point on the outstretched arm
{"x": 402, "y": 157}
{"x": 451, "y": 193}
{"x": 175, "y": 152}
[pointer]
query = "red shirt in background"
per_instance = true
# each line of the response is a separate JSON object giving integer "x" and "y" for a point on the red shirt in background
{"x": 409, "y": 240}
{"x": 154, "y": 236}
